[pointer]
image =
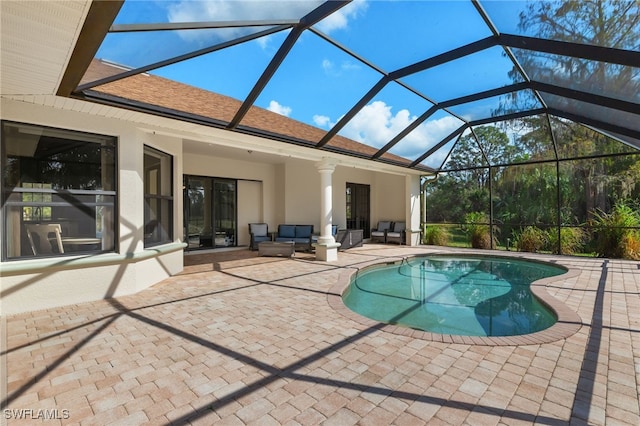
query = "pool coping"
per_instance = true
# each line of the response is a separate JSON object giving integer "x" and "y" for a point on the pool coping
{"x": 568, "y": 323}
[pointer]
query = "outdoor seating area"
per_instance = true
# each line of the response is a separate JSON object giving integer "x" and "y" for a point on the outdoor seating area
{"x": 301, "y": 235}
{"x": 239, "y": 338}
{"x": 275, "y": 243}
{"x": 389, "y": 232}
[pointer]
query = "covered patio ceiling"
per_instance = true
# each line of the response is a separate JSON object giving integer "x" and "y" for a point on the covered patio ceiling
{"x": 391, "y": 81}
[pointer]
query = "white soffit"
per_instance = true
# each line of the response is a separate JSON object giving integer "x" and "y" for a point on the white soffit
{"x": 37, "y": 39}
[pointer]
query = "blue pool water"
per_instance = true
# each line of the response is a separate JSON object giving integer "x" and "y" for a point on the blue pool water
{"x": 470, "y": 296}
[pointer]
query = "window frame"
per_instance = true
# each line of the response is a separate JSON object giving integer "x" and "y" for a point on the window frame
{"x": 51, "y": 198}
{"x": 166, "y": 234}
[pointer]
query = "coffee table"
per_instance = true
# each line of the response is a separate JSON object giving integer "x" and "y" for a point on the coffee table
{"x": 276, "y": 248}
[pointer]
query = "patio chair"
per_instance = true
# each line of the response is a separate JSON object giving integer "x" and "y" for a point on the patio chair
{"x": 396, "y": 233}
{"x": 45, "y": 238}
{"x": 258, "y": 232}
{"x": 380, "y": 233}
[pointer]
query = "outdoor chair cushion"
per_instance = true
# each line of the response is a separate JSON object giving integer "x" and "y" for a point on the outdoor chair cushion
{"x": 397, "y": 228}
{"x": 396, "y": 234}
{"x": 383, "y": 226}
{"x": 304, "y": 231}
{"x": 380, "y": 232}
{"x": 259, "y": 229}
{"x": 286, "y": 231}
{"x": 258, "y": 232}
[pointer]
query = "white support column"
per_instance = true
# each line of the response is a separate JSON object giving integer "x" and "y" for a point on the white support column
{"x": 326, "y": 247}
{"x": 412, "y": 233}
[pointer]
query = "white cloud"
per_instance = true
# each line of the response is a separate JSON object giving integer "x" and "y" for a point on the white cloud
{"x": 330, "y": 68}
{"x": 274, "y": 106}
{"x": 232, "y": 10}
{"x": 376, "y": 124}
{"x": 248, "y": 10}
{"x": 263, "y": 42}
{"x": 322, "y": 121}
{"x": 340, "y": 19}
{"x": 349, "y": 66}
{"x": 426, "y": 135}
{"x": 327, "y": 66}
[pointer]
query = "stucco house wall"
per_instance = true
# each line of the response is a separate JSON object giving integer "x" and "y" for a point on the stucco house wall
{"x": 42, "y": 283}
{"x": 285, "y": 190}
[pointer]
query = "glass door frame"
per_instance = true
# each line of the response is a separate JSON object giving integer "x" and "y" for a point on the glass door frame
{"x": 358, "y": 207}
{"x": 213, "y": 238}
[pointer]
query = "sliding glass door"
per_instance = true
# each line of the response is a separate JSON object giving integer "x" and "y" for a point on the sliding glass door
{"x": 358, "y": 207}
{"x": 210, "y": 212}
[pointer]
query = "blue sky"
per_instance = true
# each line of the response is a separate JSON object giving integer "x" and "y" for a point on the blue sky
{"x": 317, "y": 83}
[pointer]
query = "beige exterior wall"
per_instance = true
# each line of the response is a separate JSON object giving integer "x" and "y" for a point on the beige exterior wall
{"x": 302, "y": 194}
{"x": 250, "y": 208}
{"x": 285, "y": 190}
{"x": 388, "y": 199}
{"x": 42, "y": 283}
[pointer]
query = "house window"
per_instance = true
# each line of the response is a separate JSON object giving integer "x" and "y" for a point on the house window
{"x": 59, "y": 192}
{"x": 158, "y": 197}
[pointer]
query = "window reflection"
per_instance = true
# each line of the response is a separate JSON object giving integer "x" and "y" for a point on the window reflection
{"x": 59, "y": 193}
{"x": 158, "y": 197}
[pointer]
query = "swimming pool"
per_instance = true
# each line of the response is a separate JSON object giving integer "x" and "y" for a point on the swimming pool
{"x": 457, "y": 295}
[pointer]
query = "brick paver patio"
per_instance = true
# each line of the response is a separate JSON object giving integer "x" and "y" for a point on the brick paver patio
{"x": 241, "y": 339}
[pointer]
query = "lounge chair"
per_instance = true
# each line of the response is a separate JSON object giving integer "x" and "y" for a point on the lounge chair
{"x": 380, "y": 233}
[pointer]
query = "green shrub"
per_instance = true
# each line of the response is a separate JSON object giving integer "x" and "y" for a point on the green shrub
{"x": 572, "y": 240}
{"x": 435, "y": 235}
{"x": 631, "y": 246}
{"x": 616, "y": 233}
{"x": 477, "y": 228}
{"x": 531, "y": 239}
{"x": 481, "y": 239}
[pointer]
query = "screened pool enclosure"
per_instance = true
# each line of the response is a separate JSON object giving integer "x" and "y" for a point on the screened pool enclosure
{"x": 524, "y": 116}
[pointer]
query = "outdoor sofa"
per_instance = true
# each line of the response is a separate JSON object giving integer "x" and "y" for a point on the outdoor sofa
{"x": 301, "y": 235}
